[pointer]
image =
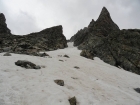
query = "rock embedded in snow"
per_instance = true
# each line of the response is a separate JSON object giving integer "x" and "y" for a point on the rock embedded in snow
{"x": 49, "y": 57}
{"x": 74, "y": 78}
{"x": 76, "y": 67}
{"x": 59, "y": 82}
{"x": 137, "y": 90}
{"x": 37, "y": 67}
{"x": 43, "y": 54}
{"x": 39, "y": 54}
{"x": 66, "y": 56}
{"x": 27, "y": 64}
{"x": 87, "y": 54}
{"x": 7, "y": 54}
{"x": 61, "y": 60}
{"x": 72, "y": 101}
{"x": 59, "y": 55}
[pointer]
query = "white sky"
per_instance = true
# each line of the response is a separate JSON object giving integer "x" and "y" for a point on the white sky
{"x": 26, "y": 16}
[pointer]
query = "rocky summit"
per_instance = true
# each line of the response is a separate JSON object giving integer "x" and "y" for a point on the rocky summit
{"x": 103, "y": 39}
{"x": 45, "y": 40}
{"x": 3, "y": 25}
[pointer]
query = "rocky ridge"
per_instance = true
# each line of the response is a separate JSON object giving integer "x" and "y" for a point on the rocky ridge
{"x": 82, "y": 34}
{"x": 105, "y": 40}
{"x": 45, "y": 40}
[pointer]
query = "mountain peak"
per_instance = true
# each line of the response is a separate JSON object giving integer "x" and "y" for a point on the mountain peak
{"x": 104, "y": 23}
{"x": 104, "y": 14}
{"x": 104, "y": 9}
{"x": 3, "y": 25}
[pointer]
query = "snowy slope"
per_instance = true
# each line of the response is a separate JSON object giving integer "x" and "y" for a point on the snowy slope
{"x": 95, "y": 83}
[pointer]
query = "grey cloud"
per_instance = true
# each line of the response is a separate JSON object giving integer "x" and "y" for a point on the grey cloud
{"x": 25, "y": 23}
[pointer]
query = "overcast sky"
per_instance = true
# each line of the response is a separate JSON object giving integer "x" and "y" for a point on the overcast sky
{"x": 26, "y": 16}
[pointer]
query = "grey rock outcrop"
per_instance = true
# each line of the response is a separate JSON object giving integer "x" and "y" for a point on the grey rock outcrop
{"x": 117, "y": 47}
{"x": 45, "y": 40}
{"x": 87, "y": 54}
{"x": 82, "y": 34}
{"x": 3, "y": 25}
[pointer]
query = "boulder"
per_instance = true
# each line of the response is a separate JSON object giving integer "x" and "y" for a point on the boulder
{"x": 37, "y": 54}
{"x": 27, "y": 64}
{"x": 7, "y": 54}
{"x": 59, "y": 82}
{"x": 72, "y": 101}
{"x": 66, "y": 56}
{"x": 76, "y": 67}
{"x": 61, "y": 60}
{"x": 43, "y": 54}
{"x": 137, "y": 90}
{"x": 87, "y": 54}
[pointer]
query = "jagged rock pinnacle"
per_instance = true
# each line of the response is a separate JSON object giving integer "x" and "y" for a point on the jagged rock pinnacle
{"x": 3, "y": 25}
{"x": 105, "y": 40}
{"x": 104, "y": 23}
{"x": 91, "y": 24}
{"x": 104, "y": 10}
{"x": 104, "y": 14}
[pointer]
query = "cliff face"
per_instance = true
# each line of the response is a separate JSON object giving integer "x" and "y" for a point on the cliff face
{"x": 82, "y": 34}
{"x": 45, "y": 40}
{"x": 79, "y": 37}
{"x": 3, "y": 25}
{"x": 117, "y": 47}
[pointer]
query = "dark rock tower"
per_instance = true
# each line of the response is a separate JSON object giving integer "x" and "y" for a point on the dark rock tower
{"x": 3, "y": 25}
